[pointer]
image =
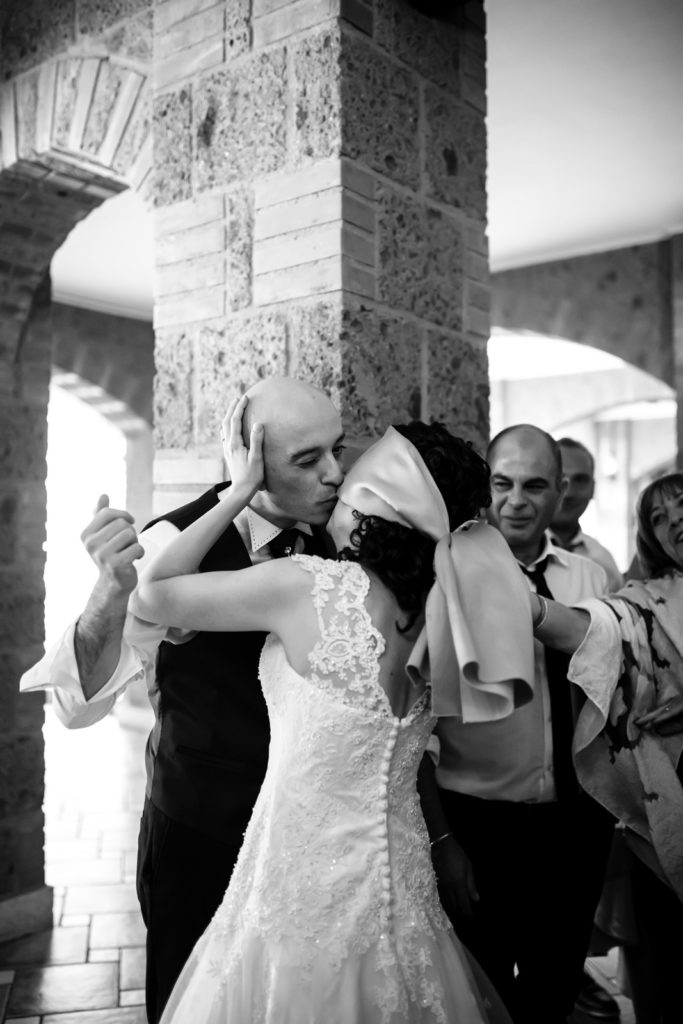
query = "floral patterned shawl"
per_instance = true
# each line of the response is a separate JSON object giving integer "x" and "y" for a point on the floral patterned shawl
{"x": 630, "y": 662}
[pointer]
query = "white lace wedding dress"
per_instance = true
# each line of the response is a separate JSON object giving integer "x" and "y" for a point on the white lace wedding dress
{"x": 332, "y": 914}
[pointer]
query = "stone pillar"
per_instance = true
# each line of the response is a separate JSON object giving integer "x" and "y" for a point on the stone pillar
{"x": 25, "y": 900}
{"x": 320, "y": 194}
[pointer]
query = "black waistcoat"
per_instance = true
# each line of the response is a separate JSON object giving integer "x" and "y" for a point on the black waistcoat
{"x": 210, "y": 742}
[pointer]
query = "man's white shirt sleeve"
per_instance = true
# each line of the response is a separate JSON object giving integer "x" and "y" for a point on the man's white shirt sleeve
{"x": 57, "y": 670}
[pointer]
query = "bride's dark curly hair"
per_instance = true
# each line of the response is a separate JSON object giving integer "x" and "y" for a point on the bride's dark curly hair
{"x": 402, "y": 557}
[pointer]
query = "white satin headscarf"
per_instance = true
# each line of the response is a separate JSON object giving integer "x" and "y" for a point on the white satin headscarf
{"x": 476, "y": 647}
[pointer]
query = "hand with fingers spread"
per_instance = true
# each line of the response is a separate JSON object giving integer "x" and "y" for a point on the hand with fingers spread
{"x": 112, "y": 542}
{"x": 245, "y": 464}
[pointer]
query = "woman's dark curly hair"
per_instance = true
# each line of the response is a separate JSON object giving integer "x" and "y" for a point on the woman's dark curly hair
{"x": 653, "y": 559}
{"x": 402, "y": 557}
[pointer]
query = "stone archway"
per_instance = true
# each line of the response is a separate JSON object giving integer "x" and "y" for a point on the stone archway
{"x": 74, "y": 130}
{"x": 619, "y": 301}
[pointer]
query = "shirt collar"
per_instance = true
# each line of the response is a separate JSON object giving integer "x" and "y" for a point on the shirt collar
{"x": 549, "y": 551}
{"x": 259, "y": 530}
{"x": 577, "y": 541}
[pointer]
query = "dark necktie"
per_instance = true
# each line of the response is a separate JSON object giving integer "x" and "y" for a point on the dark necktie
{"x": 284, "y": 543}
{"x": 562, "y": 711}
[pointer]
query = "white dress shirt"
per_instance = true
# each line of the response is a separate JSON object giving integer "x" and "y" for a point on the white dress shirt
{"x": 583, "y": 544}
{"x": 512, "y": 759}
{"x": 57, "y": 671}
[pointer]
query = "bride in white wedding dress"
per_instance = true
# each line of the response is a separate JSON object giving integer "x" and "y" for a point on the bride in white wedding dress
{"x": 332, "y": 914}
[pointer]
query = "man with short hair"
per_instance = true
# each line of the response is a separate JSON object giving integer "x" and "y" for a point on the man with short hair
{"x": 578, "y": 469}
{"x": 536, "y": 844}
{"x": 207, "y": 753}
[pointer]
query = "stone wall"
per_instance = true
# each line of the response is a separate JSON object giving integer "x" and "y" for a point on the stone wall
{"x": 320, "y": 211}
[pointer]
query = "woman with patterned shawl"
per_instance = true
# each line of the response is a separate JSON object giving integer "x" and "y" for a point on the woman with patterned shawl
{"x": 628, "y": 660}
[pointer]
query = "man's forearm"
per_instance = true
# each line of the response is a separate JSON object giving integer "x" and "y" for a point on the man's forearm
{"x": 97, "y": 637}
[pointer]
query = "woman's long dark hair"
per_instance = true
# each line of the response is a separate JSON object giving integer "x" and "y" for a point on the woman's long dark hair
{"x": 654, "y": 560}
{"x": 401, "y": 557}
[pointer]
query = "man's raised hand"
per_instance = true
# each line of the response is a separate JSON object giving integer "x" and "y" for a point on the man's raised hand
{"x": 112, "y": 542}
{"x": 245, "y": 464}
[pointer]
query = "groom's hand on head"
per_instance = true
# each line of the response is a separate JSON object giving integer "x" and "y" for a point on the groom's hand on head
{"x": 244, "y": 460}
{"x": 112, "y": 542}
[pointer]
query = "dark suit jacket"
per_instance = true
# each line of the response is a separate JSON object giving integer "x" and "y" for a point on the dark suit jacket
{"x": 209, "y": 745}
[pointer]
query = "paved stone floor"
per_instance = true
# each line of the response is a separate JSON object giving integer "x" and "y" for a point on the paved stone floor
{"x": 89, "y": 969}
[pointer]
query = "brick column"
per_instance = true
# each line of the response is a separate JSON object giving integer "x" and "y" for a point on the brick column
{"x": 319, "y": 182}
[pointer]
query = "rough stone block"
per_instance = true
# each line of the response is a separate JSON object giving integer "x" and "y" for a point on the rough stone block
{"x": 380, "y": 103}
{"x": 429, "y": 46}
{"x": 421, "y": 260}
{"x": 68, "y": 72}
{"x": 458, "y": 386}
{"x": 94, "y": 16}
{"x": 132, "y": 39}
{"x": 173, "y": 147}
{"x": 232, "y": 358}
{"x": 110, "y": 81}
{"x": 173, "y": 355}
{"x": 240, "y": 232}
{"x": 26, "y": 93}
{"x": 120, "y": 115}
{"x": 238, "y": 30}
{"x": 316, "y": 351}
{"x": 240, "y": 117}
{"x": 34, "y": 31}
{"x": 136, "y": 134}
{"x": 382, "y": 376}
{"x": 455, "y": 153}
{"x": 317, "y": 96}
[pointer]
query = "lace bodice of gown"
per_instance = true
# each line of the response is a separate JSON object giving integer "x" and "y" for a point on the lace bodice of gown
{"x": 336, "y": 857}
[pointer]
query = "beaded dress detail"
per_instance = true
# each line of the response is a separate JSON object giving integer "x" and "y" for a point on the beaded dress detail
{"x": 332, "y": 914}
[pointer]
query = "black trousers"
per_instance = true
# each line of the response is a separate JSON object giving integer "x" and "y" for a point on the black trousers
{"x": 539, "y": 870}
{"x": 182, "y": 876}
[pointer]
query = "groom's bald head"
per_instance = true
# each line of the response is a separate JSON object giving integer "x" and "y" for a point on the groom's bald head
{"x": 302, "y": 447}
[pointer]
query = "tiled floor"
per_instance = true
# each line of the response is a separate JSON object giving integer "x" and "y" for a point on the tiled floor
{"x": 90, "y": 968}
